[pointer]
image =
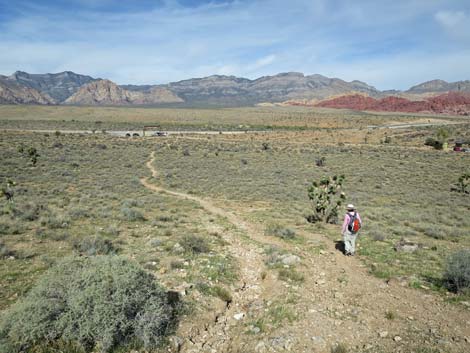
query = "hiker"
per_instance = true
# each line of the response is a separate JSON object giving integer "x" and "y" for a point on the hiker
{"x": 351, "y": 225}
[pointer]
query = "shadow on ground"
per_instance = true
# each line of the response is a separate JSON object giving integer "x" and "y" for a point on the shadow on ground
{"x": 339, "y": 245}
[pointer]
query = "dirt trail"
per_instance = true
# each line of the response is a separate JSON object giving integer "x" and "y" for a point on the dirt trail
{"x": 254, "y": 232}
{"x": 339, "y": 302}
{"x": 251, "y": 287}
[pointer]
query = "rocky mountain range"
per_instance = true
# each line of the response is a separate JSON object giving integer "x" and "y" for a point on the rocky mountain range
{"x": 13, "y": 92}
{"x": 58, "y": 86}
{"x": 105, "y": 92}
{"x": 231, "y": 90}
{"x": 440, "y": 86}
{"x": 217, "y": 90}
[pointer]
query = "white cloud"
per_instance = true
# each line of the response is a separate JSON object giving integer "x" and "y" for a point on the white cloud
{"x": 451, "y": 19}
{"x": 267, "y": 60}
{"x": 456, "y": 25}
{"x": 385, "y": 43}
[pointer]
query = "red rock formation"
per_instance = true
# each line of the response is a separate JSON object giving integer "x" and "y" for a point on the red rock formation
{"x": 353, "y": 101}
{"x": 448, "y": 103}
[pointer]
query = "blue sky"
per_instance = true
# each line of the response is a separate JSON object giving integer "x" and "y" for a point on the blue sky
{"x": 388, "y": 44}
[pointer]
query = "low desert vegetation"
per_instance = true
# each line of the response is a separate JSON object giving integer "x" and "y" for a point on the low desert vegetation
{"x": 65, "y": 206}
{"x": 80, "y": 211}
{"x": 91, "y": 302}
{"x": 401, "y": 193}
{"x": 457, "y": 271}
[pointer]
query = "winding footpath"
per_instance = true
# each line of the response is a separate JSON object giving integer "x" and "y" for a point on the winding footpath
{"x": 218, "y": 337}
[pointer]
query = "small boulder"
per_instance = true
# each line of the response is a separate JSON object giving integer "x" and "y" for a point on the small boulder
{"x": 405, "y": 245}
{"x": 178, "y": 249}
{"x": 383, "y": 334}
{"x": 238, "y": 316}
{"x": 290, "y": 260}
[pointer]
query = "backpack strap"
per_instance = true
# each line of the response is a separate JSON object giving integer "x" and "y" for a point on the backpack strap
{"x": 352, "y": 217}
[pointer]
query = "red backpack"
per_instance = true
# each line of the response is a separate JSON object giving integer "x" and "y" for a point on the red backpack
{"x": 354, "y": 224}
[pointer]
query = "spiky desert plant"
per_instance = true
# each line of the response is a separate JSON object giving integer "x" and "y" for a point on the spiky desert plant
{"x": 8, "y": 190}
{"x": 33, "y": 155}
{"x": 464, "y": 183}
{"x": 326, "y": 196}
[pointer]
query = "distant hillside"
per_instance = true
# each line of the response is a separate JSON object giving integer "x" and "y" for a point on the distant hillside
{"x": 105, "y": 92}
{"x": 59, "y": 86}
{"x": 231, "y": 90}
{"x": 291, "y": 88}
{"x": 454, "y": 103}
{"x": 12, "y": 92}
{"x": 440, "y": 86}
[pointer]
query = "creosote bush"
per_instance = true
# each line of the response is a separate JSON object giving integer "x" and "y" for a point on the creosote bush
{"x": 457, "y": 271}
{"x": 94, "y": 245}
{"x": 131, "y": 214}
{"x": 97, "y": 303}
{"x": 279, "y": 231}
{"x": 194, "y": 244}
{"x": 5, "y": 251}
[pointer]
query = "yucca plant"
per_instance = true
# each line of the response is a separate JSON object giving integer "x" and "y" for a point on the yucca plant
{"x": 326, "y": 196}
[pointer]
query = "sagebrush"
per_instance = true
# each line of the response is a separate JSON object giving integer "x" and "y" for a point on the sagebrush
{"x": 457, "y": 271}
{"x": 97, "y": 303}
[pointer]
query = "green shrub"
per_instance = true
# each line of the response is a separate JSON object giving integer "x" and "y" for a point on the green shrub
{"x": 112, "y": 229}
{"x": 78, "y": 212}
{"x": 194, "y": 244}
{"x": 216, "y": 291}
{"x": 131, "y": 203}
{"x": 279, "y": 231}
{"x": 5, "y": 251}
{"x": 97, "y": 303}
{"x": 10, "y": 227}
{"x": 132, "y": 214}
{"x": 94, "y": 245}
{"x": 31, "y": 211}
{"x": 433, "y": 143}
{"x": 55, "y": 221}
{"x": 463, "y": 184}
{"x": 290, "y": 274}
{"x": 457, "y": 271}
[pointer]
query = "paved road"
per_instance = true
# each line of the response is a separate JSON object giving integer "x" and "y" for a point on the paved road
{"x": 405, "y": 126}
{"x": 123, "y": 133}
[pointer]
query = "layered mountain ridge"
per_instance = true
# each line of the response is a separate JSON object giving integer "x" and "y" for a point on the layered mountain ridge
{"x": 292, "y": 88}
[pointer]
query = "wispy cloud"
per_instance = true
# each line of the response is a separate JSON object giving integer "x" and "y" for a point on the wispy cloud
{"x": 386, "y": 43}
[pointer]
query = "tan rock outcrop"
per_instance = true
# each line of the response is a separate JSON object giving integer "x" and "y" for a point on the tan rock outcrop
{"x": 105, "y": 92}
